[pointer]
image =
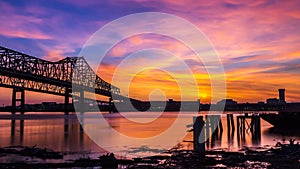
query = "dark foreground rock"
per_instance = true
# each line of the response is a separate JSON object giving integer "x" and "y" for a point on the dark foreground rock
{"x": 279, "y": 156}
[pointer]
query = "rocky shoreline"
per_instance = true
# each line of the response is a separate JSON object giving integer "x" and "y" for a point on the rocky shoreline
{"x": 278, "y": 156}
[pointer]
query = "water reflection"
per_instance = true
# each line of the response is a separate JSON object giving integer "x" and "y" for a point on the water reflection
{"x": 66, "y": 129}
{"x": 12, "y": 131}
{"x": 21, "y": 130}
{"x": 17, "y": 130}
{"x": 66, "y": 134}
{"x": 248, "y": 131}
{"x": 13, "y": 134}
{"x": 213, "y": 131}
{"x": 59, "y": 134}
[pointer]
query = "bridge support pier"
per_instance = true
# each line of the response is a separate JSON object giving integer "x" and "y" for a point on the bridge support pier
{"x": 16, "y": 99}
{"x": 110, "y": 105}
{"x": 66, "y": 106}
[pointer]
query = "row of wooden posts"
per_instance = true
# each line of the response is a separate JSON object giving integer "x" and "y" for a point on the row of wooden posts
{"x": 211, "y": 128}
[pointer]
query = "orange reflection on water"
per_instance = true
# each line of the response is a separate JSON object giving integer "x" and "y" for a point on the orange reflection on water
{"x": 142, "y": 130}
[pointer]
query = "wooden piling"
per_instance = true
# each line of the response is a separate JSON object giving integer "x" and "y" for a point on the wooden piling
{"x": 199, "y": 137}
{"x": 255, "y": 128}
{"x": 207, "y": 129}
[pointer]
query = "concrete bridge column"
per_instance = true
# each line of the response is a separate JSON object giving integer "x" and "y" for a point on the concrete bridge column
{"x": 66, "y": 106}
{"x": 21, "y": 99}
{"x": 110, "y": 105}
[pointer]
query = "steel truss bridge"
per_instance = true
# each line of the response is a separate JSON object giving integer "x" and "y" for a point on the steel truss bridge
{"x": 22, "y": 72}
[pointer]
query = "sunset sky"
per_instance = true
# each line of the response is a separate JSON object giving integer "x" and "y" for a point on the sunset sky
{"x": 258, "y": 42}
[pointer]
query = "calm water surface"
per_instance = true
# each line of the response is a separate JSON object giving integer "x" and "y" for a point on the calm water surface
{"x": 66, "y": 135}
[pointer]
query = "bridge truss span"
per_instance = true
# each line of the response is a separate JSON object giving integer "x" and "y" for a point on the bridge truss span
{"x": 25, "y": 72}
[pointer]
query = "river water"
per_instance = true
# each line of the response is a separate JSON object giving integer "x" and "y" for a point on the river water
{"x": 132, "y": 136}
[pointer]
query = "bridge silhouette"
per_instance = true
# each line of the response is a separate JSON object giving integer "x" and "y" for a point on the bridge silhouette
{"x": 72, "y": 77}
{"x": 22, "y": 72}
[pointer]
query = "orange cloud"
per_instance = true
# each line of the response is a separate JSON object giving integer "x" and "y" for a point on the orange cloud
{"x": 153, "y": 79}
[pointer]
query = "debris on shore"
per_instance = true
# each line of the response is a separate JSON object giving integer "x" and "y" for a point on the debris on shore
{"x": 279, "y": 156}
{"x": 31, "y": 152}
{"x": 108, "y": 161}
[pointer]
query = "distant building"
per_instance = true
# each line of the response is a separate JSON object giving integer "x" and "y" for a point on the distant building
{"x": 272, "y": 101}
{"x": 48, "y": 103}
{"x": 275, "y": 101}
{"x": 281, "y": 93}
{"x": 260, "y": 103}
{"x": 227, "y": 102}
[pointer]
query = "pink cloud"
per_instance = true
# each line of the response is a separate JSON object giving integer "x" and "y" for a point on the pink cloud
{"x": 17, "y": 25}
{"x": 23, "y": 34}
